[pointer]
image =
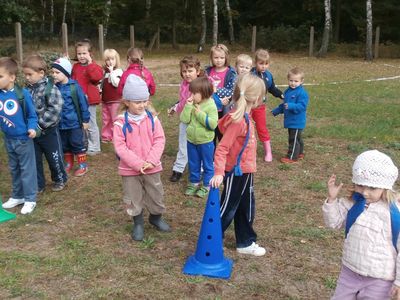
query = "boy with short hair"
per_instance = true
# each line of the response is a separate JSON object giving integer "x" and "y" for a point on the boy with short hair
{"x": 294, "y": 110}
{"x": 74, "y": 117}
{"x": 48, "y": 103}
{"x": 18, "y": 121}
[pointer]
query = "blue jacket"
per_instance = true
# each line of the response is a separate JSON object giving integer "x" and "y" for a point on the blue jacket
{"x": 295, "y": 114}
{"x": 269, "y": 82}
{"x": 12, "y": 120}
{"x": 227, "y": 90}
{"x": 69, "y": 114}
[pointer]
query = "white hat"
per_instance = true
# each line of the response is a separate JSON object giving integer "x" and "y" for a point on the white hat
{"x": 374, "y": 169}
{"x": 135, "y": 89}
{"x": 63, "y": 65}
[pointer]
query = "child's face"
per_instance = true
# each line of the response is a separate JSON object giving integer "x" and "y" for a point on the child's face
{"x": 136, "y": 107}
{"x": 218, "y": 59}
{"x": 32, "y": 76}
{"x": 243, "y": 68}
{"x": 6, "y": 79}
{"x": 189, "y": 73}
{"x": 370, "y": 194}
{"x": 197, "y": 98}
{"x": 111, "y": 62}
{"x": 83, "y": 55}
{"x": 58, "y": 76}
{"x": 295, "y": 81}
{"x": 262, "y": 66}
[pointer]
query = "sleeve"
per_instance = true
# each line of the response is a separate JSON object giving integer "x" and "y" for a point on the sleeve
{"x": 122, "y": 83}
{"x": 208, "y": 118}
{"x": 83, "y": 104}
{"x": 157, "y": 148}
{"x": 186, "y": 113}
{"x": 182, "y": 100}
{"x": 227, "y": 90}
{"x": 273, "y": 89}
{"x": 335, "y": 213}
{"x": 217, "y": 101}
{"x": 94, "y": 73}
{"x": 32, "y": 119}
{"x": 115, "y": 77}
{"x": 150, "y": 82}
{"x": 54, "y": 103}
{"x": 278, "y": 110}
{"x": 301, "y": 103}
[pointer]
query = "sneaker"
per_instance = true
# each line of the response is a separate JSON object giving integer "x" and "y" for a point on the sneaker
{"x": 12, "y": 202}
{"x": 301, "y": 156}
{"x": 175, "y": 177}
{"x": 202, "y": 192}
{"x": 58, "y": 186}
{"x": 253, "y": 249}
{"x": 286, "y": 160}
{"x": 191, "y": 189}
{"x": 92, "y": 153}
{"x": 81, "y": 171}
{"x": 28, "y": 207}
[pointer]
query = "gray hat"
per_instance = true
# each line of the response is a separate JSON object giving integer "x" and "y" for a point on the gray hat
{"x": 63, "y": 65}
{"x": 135, "y": 89}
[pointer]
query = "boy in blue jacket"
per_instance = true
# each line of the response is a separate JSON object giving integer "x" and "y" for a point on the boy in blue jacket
{"x": 74, "y": 116}
{"x": 18, "y": 121}
{"x": 294, "y": 110}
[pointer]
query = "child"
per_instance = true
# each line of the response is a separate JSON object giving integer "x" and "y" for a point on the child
{"x": 136, "y": 67}
{"x": 294, "y": 110}
{"x": 48, "y": 103}
{"x": 223, "y": 77}
{"x": 139, "y": 143}
{"x": 262, "y": 59}
{"x": 243, "y": 64}
{"x": 190, "y": 70}
{"x": 235, "y": 163}
{"x": 18, "y": 121}
{"x": 74, "y": 116}
{"x": 110, "y": 97}
{"x": 201, "y": 116}
{"x": 370, "y": 261}
{"x": 89, "y": 74}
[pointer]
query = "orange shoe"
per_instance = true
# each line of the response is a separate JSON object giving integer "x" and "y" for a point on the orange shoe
{"x": 69, "y": 161}
{"x": 286, "y": 160}
{"x": 83, "y": 168}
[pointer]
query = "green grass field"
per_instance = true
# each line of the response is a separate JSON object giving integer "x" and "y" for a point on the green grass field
{"x": 77, "y": 245}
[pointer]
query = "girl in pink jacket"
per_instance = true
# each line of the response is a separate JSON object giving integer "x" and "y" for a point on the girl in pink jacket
{"x": 139, "y": 142}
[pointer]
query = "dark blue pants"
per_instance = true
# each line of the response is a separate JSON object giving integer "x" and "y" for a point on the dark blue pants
{"x": 73, "y": 140}
{"x": 49, "y": 144}
{"x": 198, "y": 156}
{"x": 238, "y": 203}
{"x": 296, "y": 144}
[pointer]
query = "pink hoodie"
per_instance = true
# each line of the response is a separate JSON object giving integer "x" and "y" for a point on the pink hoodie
{"x": 139, "y": 146}
{"x": 184, "y": 94}
{"x": 143, "y": 73}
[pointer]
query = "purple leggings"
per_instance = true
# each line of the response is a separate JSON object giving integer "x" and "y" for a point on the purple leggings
{"x": 352, "y": 286}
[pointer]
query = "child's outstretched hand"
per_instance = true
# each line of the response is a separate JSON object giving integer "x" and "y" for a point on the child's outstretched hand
{"x": 85, "y": 126}
{"x": 216, "y": 180}
{"x": 395, "y": 293}
{"x": 333, "y": 189}
{"x": 225, "y": 100}
{"x": 31, "y": 133}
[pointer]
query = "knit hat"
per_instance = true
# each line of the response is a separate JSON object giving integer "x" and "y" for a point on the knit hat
{"x": 63, "y": 65}
{"x": 374, "y": 169}
{"x": 135, "y": 89}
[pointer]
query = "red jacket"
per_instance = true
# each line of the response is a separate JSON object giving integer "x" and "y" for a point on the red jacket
{"x": 143, "y": 73}
{"x": 89, "y": 76}
{"x": 227, "y": 152}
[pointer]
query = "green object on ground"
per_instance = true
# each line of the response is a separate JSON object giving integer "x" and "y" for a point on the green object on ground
{"x": 5, "y": 215}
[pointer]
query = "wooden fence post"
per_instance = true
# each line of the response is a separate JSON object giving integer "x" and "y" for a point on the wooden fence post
{"x": 377, "y": 34}
{"x": 18, "y": 37}
{"x": 101, "y": 39}
{"x": 311, "y": 49}
{"x": 132, "y": 35}
{"x": 64, "y": 29}
{"x": 253, "y": 39}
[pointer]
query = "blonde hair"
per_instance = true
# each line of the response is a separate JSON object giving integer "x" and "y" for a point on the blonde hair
{"x": 249, "y": 92}
{"x": 262, "y": 55}
{"x": 296, "y": 72}
{"x": 221, "y": 48}
{"x": 109, "y": 53}
{"x": 243, "y": 59}
{"x": 122, "y": 108}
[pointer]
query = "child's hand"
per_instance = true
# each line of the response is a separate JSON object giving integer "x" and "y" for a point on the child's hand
{"x": 110, "y": 68}
{"x": 85, "y": 126}
{"x": 216, "y": 180}
{"x": 146, "y": 166}
{"x": 225, "y": 101}
{"x": 190, "y": 100}
{"x": 333, "y": 189}
{"x": 31, "y": 133}
{"x": 395, "y": 292}
{"x": 285, "y": 105}
{"x": 170, "y": 111}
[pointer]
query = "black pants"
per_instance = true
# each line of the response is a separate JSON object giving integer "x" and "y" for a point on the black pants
{"x": 238, "y": 204}
{"x": 296, "y": 145}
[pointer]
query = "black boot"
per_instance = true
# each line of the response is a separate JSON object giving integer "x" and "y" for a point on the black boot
{"x": 159, "y": 223}
{"x": 175, "y": 177}
{"x": 138, "y": 228}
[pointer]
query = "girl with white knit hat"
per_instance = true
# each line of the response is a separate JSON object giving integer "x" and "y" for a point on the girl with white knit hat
{"x": 372, "y": 224}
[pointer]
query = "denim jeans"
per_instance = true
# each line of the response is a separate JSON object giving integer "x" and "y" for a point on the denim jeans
{"x": 22, "y": 165}
{"x": 201, "y": 156}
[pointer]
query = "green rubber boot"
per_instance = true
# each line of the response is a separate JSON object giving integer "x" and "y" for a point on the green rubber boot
{"x": 138, "y": 228}
{"x": 159, "y": 223}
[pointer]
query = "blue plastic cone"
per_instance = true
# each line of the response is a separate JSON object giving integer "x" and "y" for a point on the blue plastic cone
{"x": 209, "y": 258}
{"x": 5, "y": 215}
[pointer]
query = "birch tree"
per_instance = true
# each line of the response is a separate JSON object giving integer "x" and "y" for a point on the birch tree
{"x": 203, "y": 27}
{"x": 51, "y": 16}
{"x": 64, "y": 11}
{"x": 215, "y": 23}
{"x": 43, "y": 16}
{"x": 327, "y": 29}
{"x": 368, "y": 46}
{"x": 230, "y": 22}
{"x": 107, "y": 12}
{"x": 148, "y": 8}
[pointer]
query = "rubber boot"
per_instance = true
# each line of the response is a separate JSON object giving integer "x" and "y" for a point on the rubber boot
{"x": 267, "y": 151}
{"x": 69, "y": 161}
{"x": 83, "y": 168}
{"x": 138, "y": 228}
{"x": 159, "y": 223}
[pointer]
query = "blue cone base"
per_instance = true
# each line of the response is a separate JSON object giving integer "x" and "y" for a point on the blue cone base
{"x": 5, "y": 215}
{"x": 222, "y": 269}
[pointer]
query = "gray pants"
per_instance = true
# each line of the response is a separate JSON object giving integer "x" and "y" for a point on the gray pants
{"x": 181, "y": 157}
{"x": 93, "y": 136}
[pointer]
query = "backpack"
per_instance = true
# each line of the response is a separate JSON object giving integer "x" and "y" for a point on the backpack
{"x": 21, "y": 101}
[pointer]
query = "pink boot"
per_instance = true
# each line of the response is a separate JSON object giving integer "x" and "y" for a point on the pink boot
{"x": 267, "y": 151}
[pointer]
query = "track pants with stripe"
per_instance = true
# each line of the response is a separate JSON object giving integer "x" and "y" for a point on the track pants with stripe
{"x": 238, "y": 204}
{"x": 296, "y": 145}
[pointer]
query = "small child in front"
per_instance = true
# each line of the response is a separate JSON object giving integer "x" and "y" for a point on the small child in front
{"x": 139, "y": 142}
{"x": 370, "y": 262}
{"x": 235, "y": 164}
{"x": 18, "y": 121}
{"x": 294, "y": 108}
{"x": 201, "y": 116}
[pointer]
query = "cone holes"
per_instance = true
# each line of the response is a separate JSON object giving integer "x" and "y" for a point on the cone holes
{"x": 208, "y": 254}
{"x": 212, "y": 203}
{"x": 209, "y": 237}
{"x": 210, "y": 220}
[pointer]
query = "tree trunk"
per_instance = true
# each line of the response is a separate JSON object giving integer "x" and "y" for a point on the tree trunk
{"x": 203, "y": 27}
{"x": 148, "y": 8}
{"x": 64, "y": 11}
{"x": 215, "y": 23}
{"x": 368, "y": 49}
{"x": 51, "y": 16}
{"x": 107, "y": 12}
{"x": 42, "y": 27}
{"x": 230, "y": 22}
{"x": 338, "y": 17}
{"x": 327, "y": 30}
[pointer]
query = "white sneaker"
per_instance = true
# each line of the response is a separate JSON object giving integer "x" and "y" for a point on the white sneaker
{"x": 12, "y": 202}
{"x": 28, "y": 208}
{"x": 253, "y": 249}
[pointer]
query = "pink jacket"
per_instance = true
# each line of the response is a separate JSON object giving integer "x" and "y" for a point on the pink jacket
{"x": 184, "y": 94}
{"x": 143, "y": 73}
{"x": 139, "y": 146}
{"x": 227, "y": 152}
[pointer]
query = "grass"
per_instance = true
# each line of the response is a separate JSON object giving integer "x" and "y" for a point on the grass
{"x": 77, "y": 243}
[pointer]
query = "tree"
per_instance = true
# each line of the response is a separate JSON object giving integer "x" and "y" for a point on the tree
{"x": 107, "y": 11}
{"x": 51, "y": 16}
{"x": 203, "y": 27}
{"x": 215, "y": 23}
{"x": 327, "y": 29}
{"x": 230, "y": 22}
{"x": 368, "y": 48}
